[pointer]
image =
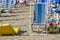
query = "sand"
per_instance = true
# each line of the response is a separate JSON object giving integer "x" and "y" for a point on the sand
{"x": 22, "y": 20}
{"x": 49, "y": 37}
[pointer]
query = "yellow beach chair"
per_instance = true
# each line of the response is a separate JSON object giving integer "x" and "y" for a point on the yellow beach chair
{"x": 7, "y": 29}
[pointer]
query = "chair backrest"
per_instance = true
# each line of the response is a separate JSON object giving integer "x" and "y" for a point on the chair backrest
{"x": 13, "y": 2}
{"x": 6, "y": 29}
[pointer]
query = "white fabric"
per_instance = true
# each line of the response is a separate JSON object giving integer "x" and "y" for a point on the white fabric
{"x": 21, "y": 1}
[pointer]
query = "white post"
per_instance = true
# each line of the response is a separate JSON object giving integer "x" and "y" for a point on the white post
{"x": 30, "y": 20}
{"x": 57, "y": 17}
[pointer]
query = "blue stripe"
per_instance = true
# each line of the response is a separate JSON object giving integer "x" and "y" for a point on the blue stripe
{"x": 39, "y": 13}
{"x": 0, "y": 1}
{"x": 42, "y": 1}
{"x": 13, "y": 2}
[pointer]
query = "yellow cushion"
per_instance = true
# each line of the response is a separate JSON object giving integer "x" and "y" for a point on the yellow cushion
{"x": 16, "y": 29}
{"x": 6, "y": 29}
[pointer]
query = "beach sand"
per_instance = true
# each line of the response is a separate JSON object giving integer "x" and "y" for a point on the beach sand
{"x": 22, "y": 20}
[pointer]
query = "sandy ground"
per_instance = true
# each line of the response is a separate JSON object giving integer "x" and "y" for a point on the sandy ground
{"x": 22, "y": 20}
{"x": 49, "y": 37}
